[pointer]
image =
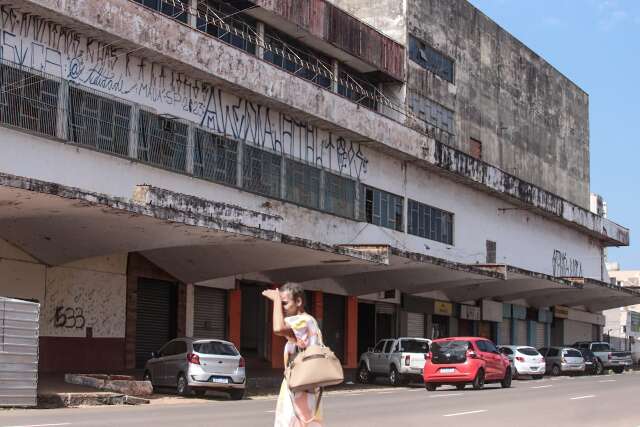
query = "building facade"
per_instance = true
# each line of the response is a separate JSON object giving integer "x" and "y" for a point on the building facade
{"x": 420, "y": 172}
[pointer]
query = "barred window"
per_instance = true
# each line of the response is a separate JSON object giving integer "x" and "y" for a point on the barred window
{"x": 339, "y": 195}
{"x": 261, "y": 171}
{"x": 99, "y": 122}
{"x": 215, "y": 157}
{"x": 170, "y": 8}
{"x": 382, "y": 208}
{"x": 430, "y": 59}
{"x": 297, "y": 58}
{"x": 357, "y": 87}
{"x": 430, "y": 223}
{"x": 239, "y": 21}
{"x": 162, "y": 141}
{"x": 28, "y": 100}
{"x": 303, "y": 184}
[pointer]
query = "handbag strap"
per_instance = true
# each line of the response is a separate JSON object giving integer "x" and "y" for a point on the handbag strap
{"x": 293, "y": 407}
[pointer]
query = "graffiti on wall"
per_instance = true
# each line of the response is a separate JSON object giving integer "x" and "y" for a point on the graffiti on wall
{"x": 32, "y": 41}
{"x": 69, "y": 317}
{"x": 564, "y": 266}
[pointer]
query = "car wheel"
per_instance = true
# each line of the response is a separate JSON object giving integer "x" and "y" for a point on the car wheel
{"x": 430, "y": 386}
{"x": 182, "y": 387}
{"x": 618, "y": 370}
{"x": 460, "y": 386}
{"x": 599, "y": 369}
{"x": 237, "y": 394}
{"x": 364, "y": 375}
{"x": 478, "y": 381}
{"x": 506, "y": 381}
{"x": 555, "y": 371}
{"x": 394, "y": 376}
{"x": 537, "y": 377}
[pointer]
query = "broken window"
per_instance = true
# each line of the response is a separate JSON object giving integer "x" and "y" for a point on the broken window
{"x": 438, "y": 119}
{"x": 430, "y": 223}
{"x": 382, "y": 208}
{"x": 430, "y": 59}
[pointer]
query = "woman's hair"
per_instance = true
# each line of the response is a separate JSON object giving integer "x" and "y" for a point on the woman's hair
{"x": 294, "y": 289}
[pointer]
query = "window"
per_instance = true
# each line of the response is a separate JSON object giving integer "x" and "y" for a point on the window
{"x": 438, "y": 119}
{"x": 303, "y": 184}
{"x": 528, "y": 351}
{"x": 414, "y": 346}
{"x": 430, "y": 223}
{"x": 543, "y": 351}
{"x": 339, "y": 195}
{"x": 162, "y": 141}
{"x": 506, "y": 350}
{"x": 215, "y": 157}
{"x": 382, "y": 208}
{"x": 572, "y": 353}
{"x": 180, "y": 347}
{"x": 261, "y": 171}
{"x": 241, "y": 23}
{"x": 215, "y": 347}
{"x": 430, "y": 59}
{"x": 295, "y": 57}
{"x": 600, "y": 347}
{"x": 28, "y": 100}
{"x": 167, "y": 7}
{"x": 491, "y": 252}
{"x": 378, "y": 348}
{"x": 99, "y": 122}
{"x": 387, "y": 347}
{"x": 553, "y": 352}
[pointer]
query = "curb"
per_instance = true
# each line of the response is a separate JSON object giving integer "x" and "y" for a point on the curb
{"x": 67, "y": 400}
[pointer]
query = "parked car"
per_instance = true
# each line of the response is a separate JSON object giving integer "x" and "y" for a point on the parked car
{"x": 460, "y": 361}
{"x": 524, "y": 360}
{"x": 401, "y": 360}
{"x": 561, "y": 360}
{"x": 608, "y": 358}
{"x": 591, "y": 363}
{"x": 198, "y": 365}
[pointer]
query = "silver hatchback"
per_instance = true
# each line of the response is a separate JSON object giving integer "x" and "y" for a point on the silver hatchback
{"x": 561, "y": 360}
{"x": 198, "y": 365}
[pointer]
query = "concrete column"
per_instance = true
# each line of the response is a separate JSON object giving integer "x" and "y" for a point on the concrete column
{"x": 189, "y": 311}
{"x": 351, "y": 336}
{"x": 428, "y": 326}
{"x": 259, "y": 47}
{"x": 133, "y": 131}
{"x": 512, "y": 337}
{"x": 234, "y": 316}
{"x": 63, "y": 110}
{"x": 193, "y": 7}
{"x": 283, "y": 178}
{"x": 239, "y": 163}
{"x": 322, "y": 190}
{"x": 335, "y": 68}
{"x": 277, "y": 342}
{"x": 318, "y": 307}
{"x": 191, "y": 144}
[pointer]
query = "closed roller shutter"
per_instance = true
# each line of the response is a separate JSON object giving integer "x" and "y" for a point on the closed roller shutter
{"x": 540, "y": 341}
{"x": 385, "y": 308}
{"x": 209, "y": 313}
{"x": 415, "y": 325}
{"x": 521, "y": 332}
{"x": 155, "y": 319}
{"x": 577, "y": 331}
{"x": 505, "y": 332}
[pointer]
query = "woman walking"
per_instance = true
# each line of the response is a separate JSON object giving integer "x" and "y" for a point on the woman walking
{"x": 299, "y": 409}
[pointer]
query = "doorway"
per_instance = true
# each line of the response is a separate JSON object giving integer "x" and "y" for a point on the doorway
{"x": 333, "y": 323}
{"x": 255, "y": 326}
{"x": 366, "y": 326}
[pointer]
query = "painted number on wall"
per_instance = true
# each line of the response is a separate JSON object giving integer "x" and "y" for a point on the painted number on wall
{"x": 68, "y": 317}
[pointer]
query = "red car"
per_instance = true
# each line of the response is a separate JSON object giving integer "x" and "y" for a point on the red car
{"x": 459, "y": 361}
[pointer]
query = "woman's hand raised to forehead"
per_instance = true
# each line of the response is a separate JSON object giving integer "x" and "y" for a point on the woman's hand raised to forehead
{"x": 271, "y": 294}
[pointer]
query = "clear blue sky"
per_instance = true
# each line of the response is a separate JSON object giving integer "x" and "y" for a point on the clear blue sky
{"x": 596, "y": 44}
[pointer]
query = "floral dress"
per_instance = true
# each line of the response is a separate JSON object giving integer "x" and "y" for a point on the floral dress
{"x": 306, "y": 331}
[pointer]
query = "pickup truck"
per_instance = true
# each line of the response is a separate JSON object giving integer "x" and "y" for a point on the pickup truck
{"x": 400, "y": 360}
{"x": 606, "y": 358}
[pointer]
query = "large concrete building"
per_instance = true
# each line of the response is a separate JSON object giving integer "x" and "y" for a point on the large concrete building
{"x": 418, "y": 169}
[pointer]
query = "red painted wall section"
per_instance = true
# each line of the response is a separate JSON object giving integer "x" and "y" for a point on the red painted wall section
{"x": 277, "y": 343}
{"x": 81, "y": 355}
{"x": 234, "y": 316}
{"x": 351, "y": 345}
{"x": 318, "y": 305}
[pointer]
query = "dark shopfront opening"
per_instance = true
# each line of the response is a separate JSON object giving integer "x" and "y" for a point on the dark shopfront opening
{"x": 366, "y": 326}
{"x": 440, "y": 326}
{"x": 255, "y": 324}
{"x": 334, "y": 322}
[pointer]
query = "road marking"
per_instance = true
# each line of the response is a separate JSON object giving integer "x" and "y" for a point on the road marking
{"x": 607, "y": 381}
{"x": 446, "y": 395}
{"x": 270, "y": 412}
{"x": 43, "y": 425}
{"x": 542, "y": 386}
{"x": 465, "y": 413}
{"x": 589, "y": 396}
{"x": 386, "y": 392}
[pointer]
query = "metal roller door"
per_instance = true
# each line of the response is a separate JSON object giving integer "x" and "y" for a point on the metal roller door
{"x": 540, "y": 329}
{"x": 505, "y": 332}
{"x": 415, "y": 325}
{"x": 209, "y": 312}
{"x": 521, "y": 332}
{"x": 156, "y": 317}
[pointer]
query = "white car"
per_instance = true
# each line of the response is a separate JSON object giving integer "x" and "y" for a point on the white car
{"x": 401, "y": 360}
{"x": 524, "y": 360}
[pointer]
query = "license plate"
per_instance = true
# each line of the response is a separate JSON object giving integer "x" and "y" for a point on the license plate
{"x": 534, "y": 368}
{"x": 219, "y": 380}
{"x": 447, "y": 370}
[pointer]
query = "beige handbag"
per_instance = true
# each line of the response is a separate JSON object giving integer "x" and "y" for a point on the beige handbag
{"x": 315, "y": 366}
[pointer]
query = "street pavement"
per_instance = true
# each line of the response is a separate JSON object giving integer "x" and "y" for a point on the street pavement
{"x": 610, "y": 400}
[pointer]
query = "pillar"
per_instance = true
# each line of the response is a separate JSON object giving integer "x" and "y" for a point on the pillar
{"x": 277, "y": 342}
{"x": 317, "y": 311}
{"x": 335, "y": 68}
{"x": 260, "y": 36}
{"x": 351, "y": 336}
{"x": 234, "y": 316}
{"x": 192, "y": 7}
{"x": 189, "y": 308}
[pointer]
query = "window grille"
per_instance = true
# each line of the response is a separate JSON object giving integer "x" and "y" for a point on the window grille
{"x": 339, "y": 195}
{"x": 382, "y": 208}
{"x": 261, "y": 171}
{"x": 215, "y": 157}
{"x": 170, "y": 8}
{"x": 430, "y": 223}
{"x": 162, "y": 141}
{"x": 303, "y": 184}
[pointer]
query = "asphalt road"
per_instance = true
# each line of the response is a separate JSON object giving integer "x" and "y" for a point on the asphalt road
{"x": 612, "y": 400}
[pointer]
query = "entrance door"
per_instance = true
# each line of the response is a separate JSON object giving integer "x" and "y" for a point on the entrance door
{"x": 333, "y": 323}
{"x": 366, "y": 326}
{"x": 156, "y": 320}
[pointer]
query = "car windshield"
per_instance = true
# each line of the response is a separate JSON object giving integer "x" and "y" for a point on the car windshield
{"x": 215, "y": 347}
{"x": 600, "y": 347}
{"x": 572, "y": 353}
{"x": 415, "y": 346}
{"x": 528, "y": 351}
